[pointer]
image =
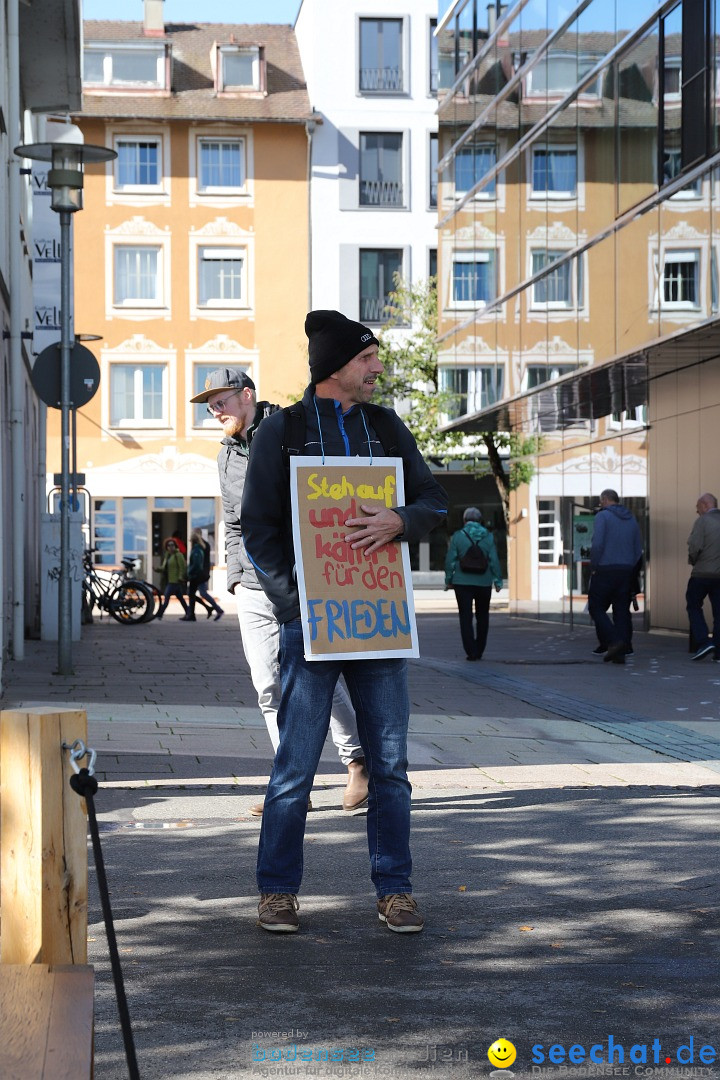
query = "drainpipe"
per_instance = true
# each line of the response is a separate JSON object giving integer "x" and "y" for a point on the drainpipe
{"x": 17, "y": 381}
{"x": 310, "y": 126}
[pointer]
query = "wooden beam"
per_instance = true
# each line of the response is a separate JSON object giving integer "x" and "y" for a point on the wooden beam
{"x": 46, "y": 1022}
{"x": 43, "y": 840}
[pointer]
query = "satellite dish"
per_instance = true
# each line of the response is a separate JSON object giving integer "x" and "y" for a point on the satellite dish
{"x": 84, "y": 376}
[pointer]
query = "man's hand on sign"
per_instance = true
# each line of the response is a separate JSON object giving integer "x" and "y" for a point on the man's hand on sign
{"x": 379, "y": 527}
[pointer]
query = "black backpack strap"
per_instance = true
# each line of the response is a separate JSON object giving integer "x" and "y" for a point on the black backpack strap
{"x": 383, "y": 425}
{"x": 294, "y": 434}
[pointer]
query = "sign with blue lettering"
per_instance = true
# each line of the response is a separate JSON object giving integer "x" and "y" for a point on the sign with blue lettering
{"x": 353, "y": 606}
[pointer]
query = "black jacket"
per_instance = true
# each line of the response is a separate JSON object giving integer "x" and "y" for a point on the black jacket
{"x": 232, "y": 466}
{"x": 266, "y": 516}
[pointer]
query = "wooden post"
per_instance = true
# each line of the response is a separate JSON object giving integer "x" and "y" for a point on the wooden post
{"x": 43, "y": 840}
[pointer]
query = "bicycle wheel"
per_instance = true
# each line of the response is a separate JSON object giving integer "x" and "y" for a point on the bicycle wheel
{"x": 130, "y": 602}
{"x": 156, "y": 601}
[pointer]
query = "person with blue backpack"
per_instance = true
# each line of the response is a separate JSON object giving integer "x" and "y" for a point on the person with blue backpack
{"x": 472, "y": 568}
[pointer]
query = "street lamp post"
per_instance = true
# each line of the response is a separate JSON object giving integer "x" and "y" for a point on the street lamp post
{"x": 65, "y": 180}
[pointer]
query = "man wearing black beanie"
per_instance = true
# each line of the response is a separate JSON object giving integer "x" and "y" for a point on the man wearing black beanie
{"x": 344, "y": 367}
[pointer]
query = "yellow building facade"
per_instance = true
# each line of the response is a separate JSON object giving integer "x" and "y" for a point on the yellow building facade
{"x": 191, "y": 254}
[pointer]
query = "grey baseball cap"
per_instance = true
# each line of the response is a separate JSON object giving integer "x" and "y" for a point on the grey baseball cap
{"x": 224, "y": 378}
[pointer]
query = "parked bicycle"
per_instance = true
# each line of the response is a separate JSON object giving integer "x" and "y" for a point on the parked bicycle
{"x": 126, "y": 599}
{"x": 127, "y": 575}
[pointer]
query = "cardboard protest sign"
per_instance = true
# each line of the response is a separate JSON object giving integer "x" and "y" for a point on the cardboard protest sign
{"x": 352, "y": 606}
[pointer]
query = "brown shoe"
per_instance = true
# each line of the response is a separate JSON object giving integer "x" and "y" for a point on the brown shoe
{"x": 278, "y": 911}
{"x": 399, "y": 912}
{"x": 356, "y": 792}
{"x": 257, "y": 809}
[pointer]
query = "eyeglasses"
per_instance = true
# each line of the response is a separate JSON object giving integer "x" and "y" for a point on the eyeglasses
{"x": 219, "y": 406}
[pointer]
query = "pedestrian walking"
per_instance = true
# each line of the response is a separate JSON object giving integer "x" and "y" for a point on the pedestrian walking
{"x": 337, "y": 420}
{"x": 704, "y": 557}
{"x": 174, "y": 574}
{"x": 615, "y": 556}
{"x": 472, "y": 568}
{"x": 231, "y": 399}
{"x": 198, "y": 577}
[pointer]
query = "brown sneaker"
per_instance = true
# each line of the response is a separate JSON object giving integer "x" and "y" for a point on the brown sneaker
{"x": 356, "y": 792}
{"x": 399, "y": 912}
{"x": 257, "y": 809}
{"x": 278, "y": 911}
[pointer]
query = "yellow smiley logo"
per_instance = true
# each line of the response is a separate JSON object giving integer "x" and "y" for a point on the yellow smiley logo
{"x": 502, "y": 1053}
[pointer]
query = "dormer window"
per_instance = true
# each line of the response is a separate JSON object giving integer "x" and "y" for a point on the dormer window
{"x": 135, "y": 66}
{"x": 555, "y": 76}
{"x": 240, "y": 69}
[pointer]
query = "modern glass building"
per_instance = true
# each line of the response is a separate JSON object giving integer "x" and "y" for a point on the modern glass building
{"x": 579, "y": 215}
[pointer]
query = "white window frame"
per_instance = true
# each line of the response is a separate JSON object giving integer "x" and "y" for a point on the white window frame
{"x": 678, "y": 255}
{"x": 672, "y": 63}
{"x": 693, "y": 191}
{"x": 253, "y": 51}
{"x": 223, "y": 253}
{"x": 478, "y": 255}
{"x": 553, "y": 196}
{"x": 135, "y": 303}
{"x": 138, "y": 233}
{"x": 138, "y": 363}
{"x": 108, "y": 49}
{"x": 474, "y": 391}
{"x": 549, "y": 532}
{"x": 139, "y": 189}
{"x": 222, "y": 189}
{"x": 223, "y": 310}
{"x": 483, "y": 195}
{"x": 552, "y": 95}
{"x": 575, "y": 301}
{"x": 221, "y": 197}
{"x": 406, "y": 86}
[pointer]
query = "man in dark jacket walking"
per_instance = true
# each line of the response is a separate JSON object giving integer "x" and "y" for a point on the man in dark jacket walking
{"x": 344, "y": 366}
{"x": 615, "y": 556}
{"x": 230, "y": 397}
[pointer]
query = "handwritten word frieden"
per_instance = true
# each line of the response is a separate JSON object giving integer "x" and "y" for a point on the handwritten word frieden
{"x": 358, "y": 619}
{"x": 345, "y": 489}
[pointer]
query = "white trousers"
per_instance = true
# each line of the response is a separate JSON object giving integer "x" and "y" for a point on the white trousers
{"x": 260, "y": 632}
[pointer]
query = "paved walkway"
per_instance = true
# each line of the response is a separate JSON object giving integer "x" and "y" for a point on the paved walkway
{"x": 565, "y": 844}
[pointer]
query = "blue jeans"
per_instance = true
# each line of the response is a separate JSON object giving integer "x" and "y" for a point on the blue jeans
{"x": 378, "y": 690}
{"x": 611, "y": 587}
{"x": 697, "y": 589}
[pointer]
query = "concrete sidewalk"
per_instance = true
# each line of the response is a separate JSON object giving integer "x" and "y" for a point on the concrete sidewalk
{"x": 565, "y": 821}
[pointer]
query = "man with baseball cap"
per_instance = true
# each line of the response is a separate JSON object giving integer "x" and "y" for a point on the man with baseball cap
{"x": 344, "y": 367}
{"x": 230, "y": 397}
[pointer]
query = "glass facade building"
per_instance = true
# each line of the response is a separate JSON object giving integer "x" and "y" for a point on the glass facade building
{"x": 579, "y": 237}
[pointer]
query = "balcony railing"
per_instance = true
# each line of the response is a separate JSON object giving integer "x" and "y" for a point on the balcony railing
{"x": 381, "y": 193}
{"x": 373, "y": 309}
{"x": 381, "y": 80}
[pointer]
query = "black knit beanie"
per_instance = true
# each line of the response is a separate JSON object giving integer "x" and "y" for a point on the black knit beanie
{"x": 333, "y": 340}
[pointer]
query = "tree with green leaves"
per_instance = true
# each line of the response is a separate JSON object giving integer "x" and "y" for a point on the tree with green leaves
{"x": 411, "y": 383}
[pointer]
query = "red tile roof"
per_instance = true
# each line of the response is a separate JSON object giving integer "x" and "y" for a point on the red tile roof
{"x": 193, "y": 95}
